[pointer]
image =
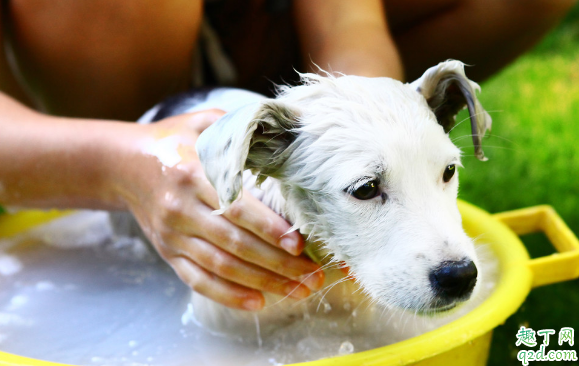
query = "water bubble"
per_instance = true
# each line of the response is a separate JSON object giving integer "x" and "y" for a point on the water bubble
{"x": 327, "y": 306}
{"x": 346, "y": 348}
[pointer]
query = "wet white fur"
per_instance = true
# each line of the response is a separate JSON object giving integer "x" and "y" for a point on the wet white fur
{"x": 350, "y": 129}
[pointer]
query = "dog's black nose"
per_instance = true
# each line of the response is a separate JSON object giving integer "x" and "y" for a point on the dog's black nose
{"x": 454, "y": 279}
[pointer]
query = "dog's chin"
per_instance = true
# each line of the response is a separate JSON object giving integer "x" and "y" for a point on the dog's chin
{"x": 441, "y": 309}
{"x": 438, "y": 310}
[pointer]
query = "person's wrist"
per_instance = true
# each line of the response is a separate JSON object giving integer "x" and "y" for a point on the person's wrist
{"x": 124, "y": 166}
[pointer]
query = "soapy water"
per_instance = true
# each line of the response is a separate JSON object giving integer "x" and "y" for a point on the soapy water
{"x": 75, "y": 291}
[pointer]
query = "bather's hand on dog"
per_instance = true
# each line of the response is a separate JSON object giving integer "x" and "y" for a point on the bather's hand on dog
{"x": 229, "y": 258}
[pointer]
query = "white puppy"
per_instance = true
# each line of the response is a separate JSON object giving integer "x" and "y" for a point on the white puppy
{"x": 364, "y": 168}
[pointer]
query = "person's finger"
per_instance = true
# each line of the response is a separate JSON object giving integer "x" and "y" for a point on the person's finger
{"x": 199, "y": 121}
{"x": 247, "y": 246}
{"x": 230, "y": 267}
{"x": 253, "y": 215}
{"x": 212, "y": 286}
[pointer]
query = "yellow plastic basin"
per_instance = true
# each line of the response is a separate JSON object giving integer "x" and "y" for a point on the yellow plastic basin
{"x": 465, "y": 341}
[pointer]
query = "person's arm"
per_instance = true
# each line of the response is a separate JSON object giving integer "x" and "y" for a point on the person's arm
{"x": 350, "y": 37}
{"x": 72, "y": 163}
{"x": 53, "y": 162}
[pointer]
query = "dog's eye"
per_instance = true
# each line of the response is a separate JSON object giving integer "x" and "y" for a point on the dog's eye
{"x": 448, "y": 173}
{"x": 366, "y": 191}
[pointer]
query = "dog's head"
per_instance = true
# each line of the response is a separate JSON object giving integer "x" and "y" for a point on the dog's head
{"x": 366, "y": 166}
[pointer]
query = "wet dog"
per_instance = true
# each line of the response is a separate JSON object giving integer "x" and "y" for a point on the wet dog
{"x": 364, "y": 168}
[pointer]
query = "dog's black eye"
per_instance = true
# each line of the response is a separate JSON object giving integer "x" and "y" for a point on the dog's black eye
{"x": 366, "y": 191}
{"x": 448, "y": 173}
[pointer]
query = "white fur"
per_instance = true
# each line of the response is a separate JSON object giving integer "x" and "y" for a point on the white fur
{"x": 328, "y": 136}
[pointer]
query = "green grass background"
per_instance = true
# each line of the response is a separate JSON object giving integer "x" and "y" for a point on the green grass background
{"x": 533, "y": 155}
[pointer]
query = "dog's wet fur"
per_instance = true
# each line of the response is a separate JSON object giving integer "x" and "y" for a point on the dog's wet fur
{"x": 364, "y": 168}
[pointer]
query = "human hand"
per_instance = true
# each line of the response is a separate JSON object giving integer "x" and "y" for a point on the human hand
{"x": 229, "y": 258}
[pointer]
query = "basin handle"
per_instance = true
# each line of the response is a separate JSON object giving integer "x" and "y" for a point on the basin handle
{"x": 557, "y": 267}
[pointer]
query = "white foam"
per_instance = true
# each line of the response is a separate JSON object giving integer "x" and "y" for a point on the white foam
{"x": 165, "y": 149}
{"x": 83, "y": 228}
{"x": 17, "y": 302}
{"x": 45, "y": 286}
{"x": 9, "y": 265}
{"x": 188, "y": 316}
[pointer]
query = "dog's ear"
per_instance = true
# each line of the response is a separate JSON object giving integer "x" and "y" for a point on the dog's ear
{"x": 253, "y": 137}
{"x": 447, "y": 91}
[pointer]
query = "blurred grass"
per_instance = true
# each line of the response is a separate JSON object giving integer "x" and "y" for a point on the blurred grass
{"x": 533, "y": 159}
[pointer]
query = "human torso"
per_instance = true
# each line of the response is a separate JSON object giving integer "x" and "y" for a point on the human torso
{"x": 115, "y": 59}
{"x": 105, "y": 59}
